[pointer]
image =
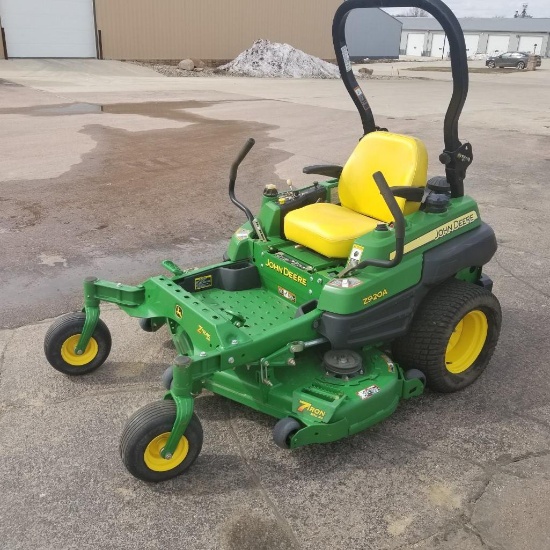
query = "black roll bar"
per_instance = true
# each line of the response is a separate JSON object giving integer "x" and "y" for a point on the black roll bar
{"x": 456, "y": 156}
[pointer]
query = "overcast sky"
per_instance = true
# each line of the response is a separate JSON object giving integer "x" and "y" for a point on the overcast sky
{"x": 491, "y": 8}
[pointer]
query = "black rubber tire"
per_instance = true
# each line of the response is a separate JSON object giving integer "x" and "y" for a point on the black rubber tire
{"x": 146, "y": 325}
{"x": 284, "y": 430}
{"x": 424, "y": 346}
{"x": 413, "y": 374}
{"x": 491, "y": 64}
{"x": 520, "y": 65}
{"x": 167, "y": 377}
{"x": 146, "y": 424}
{"x": 70, "y": 325}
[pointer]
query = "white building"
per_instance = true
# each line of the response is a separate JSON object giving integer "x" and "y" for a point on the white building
{"x": 423, "y": 36}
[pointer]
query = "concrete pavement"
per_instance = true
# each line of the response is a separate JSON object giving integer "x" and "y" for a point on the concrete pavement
{"x": 462, "y": 471}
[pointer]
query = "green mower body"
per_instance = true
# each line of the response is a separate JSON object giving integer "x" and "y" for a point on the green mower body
{"x": 255, "y": 327}
{"x": 327, "y": 345}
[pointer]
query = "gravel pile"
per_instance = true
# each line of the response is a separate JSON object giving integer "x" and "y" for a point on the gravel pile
{"x": 267, "y": 59}
{"x": 174, "y": 70}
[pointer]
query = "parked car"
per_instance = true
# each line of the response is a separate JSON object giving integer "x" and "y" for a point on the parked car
{"x": 517, "y": 60}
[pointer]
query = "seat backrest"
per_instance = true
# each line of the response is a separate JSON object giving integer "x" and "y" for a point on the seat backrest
{"x": 402, "y": 159}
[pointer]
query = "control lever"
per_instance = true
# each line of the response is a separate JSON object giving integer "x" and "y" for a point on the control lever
{"x": 233, "y": 178}
{"x": 399, "y": 228}
{"x": 256, "y": 227}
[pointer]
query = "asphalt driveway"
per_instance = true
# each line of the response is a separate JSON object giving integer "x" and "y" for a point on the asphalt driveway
{"x": 106, "y": 170}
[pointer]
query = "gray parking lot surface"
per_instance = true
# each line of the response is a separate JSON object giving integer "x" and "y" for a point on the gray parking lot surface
{"x": 106, "y": 170}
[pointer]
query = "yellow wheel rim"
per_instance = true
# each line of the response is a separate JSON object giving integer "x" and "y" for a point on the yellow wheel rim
{"x": 466, "y": 342}
{"x": 71, "y": 358}
{"x": 153, "y": 458}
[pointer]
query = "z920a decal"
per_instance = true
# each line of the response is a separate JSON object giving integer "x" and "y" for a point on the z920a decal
{"x": 375, "y": 296}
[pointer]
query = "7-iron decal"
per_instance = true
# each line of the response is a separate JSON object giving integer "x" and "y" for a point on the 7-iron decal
{"x": 305, "y": 406}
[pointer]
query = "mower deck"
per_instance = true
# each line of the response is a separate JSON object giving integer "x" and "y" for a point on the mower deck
{"x": 329, "y": 406}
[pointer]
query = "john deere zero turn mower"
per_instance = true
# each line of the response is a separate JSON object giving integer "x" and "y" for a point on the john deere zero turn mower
{"x": 323, "y": 314}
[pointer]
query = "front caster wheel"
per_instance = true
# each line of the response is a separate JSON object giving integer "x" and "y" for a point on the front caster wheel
{"x": 146, "y": 325}
{"x": 414, "y": 374}
{"x": 284, "y": 430}
{"x": 145, "y": 435}
{"x": 62, "y": 338}
{"x": 167, "y": 377}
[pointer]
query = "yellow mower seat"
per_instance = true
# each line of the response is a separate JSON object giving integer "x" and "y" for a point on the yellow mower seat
{"x": 330, "y": 229}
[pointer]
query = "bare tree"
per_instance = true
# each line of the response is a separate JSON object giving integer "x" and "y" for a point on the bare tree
{"x": 413, "y": 12}
{"x": 523, "y": 13}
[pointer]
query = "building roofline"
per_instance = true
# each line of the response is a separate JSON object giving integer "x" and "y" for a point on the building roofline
{"x": 392, "y": 16}
{"x": 482, "y": 24}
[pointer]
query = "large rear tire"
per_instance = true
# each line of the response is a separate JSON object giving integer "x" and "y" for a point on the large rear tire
{"x": 452, "y": 336}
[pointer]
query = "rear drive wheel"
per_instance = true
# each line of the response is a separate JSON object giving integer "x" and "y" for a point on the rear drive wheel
{"x": 520, "y": 65}
{"x": 145, "y": 435}
{"x": 452, "y": 336}
{"x": 62, "y": 337}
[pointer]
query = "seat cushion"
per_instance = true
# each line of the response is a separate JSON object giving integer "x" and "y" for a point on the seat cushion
{"x": 327, "y": 228}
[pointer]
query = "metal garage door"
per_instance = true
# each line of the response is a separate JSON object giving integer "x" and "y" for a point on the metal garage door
{"x": 415, "y": 43}
{"x": 497, "y": 43}
{"x": 52, "y": 28}
{"x": 530, "y": 44}
{"x": 472, "y": 41}
{"x": 440, "y": 46}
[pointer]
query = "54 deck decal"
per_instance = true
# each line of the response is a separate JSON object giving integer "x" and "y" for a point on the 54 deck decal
{"x": 367, "y": 393}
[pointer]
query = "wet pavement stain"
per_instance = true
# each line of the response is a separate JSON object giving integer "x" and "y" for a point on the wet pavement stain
{"x": 156, "y": 109}
{"x": 69, "y": 109}
{"x": 4, "y": 82}
{"x": 250, "y": 532}
{"x": 135, "y": 192}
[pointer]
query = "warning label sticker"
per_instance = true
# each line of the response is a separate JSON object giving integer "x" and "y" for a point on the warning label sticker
{"x": 203, "y": 282}
{"x": 368, "y": 392}
{"x": 345, "y": 55}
